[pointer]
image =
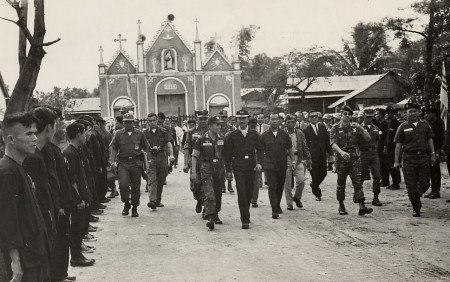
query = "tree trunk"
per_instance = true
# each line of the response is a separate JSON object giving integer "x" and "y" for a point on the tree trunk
{"x": 23, "y": 90}
{"x": 22, "y": 37}
{"x": 429, "y": 43}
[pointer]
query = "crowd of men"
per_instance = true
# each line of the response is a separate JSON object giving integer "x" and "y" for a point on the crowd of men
{"x": 54, "y": 176}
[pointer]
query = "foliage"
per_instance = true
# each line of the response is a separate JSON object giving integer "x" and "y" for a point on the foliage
{"x": 212, "y": 45}
{"x": 243, "y": 39}
{"x": 64, "y": 98}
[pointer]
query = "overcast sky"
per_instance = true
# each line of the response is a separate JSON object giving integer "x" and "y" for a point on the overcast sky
{"x": 84, "y": 25}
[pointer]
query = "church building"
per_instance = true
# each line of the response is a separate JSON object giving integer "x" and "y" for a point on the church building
{"x": 169, "y": 77}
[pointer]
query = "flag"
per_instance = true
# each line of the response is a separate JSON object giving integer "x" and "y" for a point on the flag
{"x": 444, "y": 97}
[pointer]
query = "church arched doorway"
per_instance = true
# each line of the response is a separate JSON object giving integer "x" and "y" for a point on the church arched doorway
{"x": 170, "y": 97}
{"x": 218, "y": 102}
{"x": 122, "y": 103}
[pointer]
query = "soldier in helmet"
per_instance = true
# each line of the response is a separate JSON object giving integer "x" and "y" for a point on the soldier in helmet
{"x": 191, "y": 137}
{"x": 126, "y": 154}
{"x": 346, "y": 138}
{"x": 414, "y": 138}
{"x": 209, "y": 150}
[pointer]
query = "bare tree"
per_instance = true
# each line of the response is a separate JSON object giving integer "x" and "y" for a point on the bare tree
{"x": 30, "y": 64}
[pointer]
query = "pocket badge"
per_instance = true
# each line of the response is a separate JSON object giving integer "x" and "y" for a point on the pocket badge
{"x": 136, "y": 146}
{"x": 220, "y": 142}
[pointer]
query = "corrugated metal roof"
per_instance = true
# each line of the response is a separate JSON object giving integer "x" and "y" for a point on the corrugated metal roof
{"x": 338, "y": 83}
{"x": 86, "y": 105}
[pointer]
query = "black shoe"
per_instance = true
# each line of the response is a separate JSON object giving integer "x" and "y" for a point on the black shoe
{"x": 105, "y": 200}
{"x": 416, "y": 212}
{"x": 279, "y": 211}
{"x": 198, "y": 207}
{"x": 447, "y": 201}
{"x": 134, "y": 212}
{"x": 342, "y": 210}
{"x": 97, "y": 212}
{"x": 151, "y": 205}
{"x": 224, "y": 190}
{"x": 81, "y": 262}
{"x": 126, "y": 209}
{"x": 92, "y": 229}
{"x": 113, "y": 194}
{"x": 160, "y": 205}
{"x": 384, "y": 184}
{"x": 210, "y": 223}
{"x": 254, "y": 205}
{"x": 298, "y": 203}
{"x": 217, "y": 219}
{"x": 434, "y": 196}
{"x": 93, "y": 219}
{"x": 364, "y": 211}
{"x": 230, "y": 189}
{"x": 275, "y": 215}
{"x": 290, "y": 207}
{"x": 245, "y": 226}
{"x": 377, "y": 203}
{"x": 71, "y": 278}
{"x": 101, "y": 207}
{"x": 395, "y": 187}
{"x": 318, "y": 198}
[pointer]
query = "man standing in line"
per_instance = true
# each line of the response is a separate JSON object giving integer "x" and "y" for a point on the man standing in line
{"x": 276, "y": 145}
{"x": 370, "y": 161}
{"x": 22, "y": 225}
{"x": 302, "y": 159}
{"x": 159, "y": 140}
{"x": 319, "y": 145}
{"x": 209, "y": 150}
{"x": 393, "y": 125}
{"x": 437, "y": 126}
{"x": 127, "y": 148}
{"x": 346, "y": 137}
{"x": 243, "y": 153}
{"x": 415, "y": 139}
{"x": 191, "y": 137}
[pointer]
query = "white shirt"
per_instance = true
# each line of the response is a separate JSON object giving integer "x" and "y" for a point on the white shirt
{"x": 275, "y": 133}
{"x": 244, "y": 132}
{"x": 415, "y": 123}
{"x": 316, "y": 129}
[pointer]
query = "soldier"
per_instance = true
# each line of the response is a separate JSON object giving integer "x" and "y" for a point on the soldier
{"x": 393, "y": 125}
{"x": 243, "y": 153}
{"x": 158, "y": 139}
{"x": 414, "y": 138}
{"x": 437, "y": 126}
{"x": 346, "y": 137}
{"x": 126, "y": 148}
{"x": 208, "y": 149}
{"x": 224, "y": 130}
{"x": 191, "y": 137}
{"x": 369, "y": 155}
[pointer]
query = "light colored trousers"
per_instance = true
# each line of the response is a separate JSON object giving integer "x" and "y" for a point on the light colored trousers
{"x": 299, "y": 176}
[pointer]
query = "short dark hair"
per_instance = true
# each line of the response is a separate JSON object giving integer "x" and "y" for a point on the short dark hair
{"x": 152, "y": 115}
{"x": 73, "y": 129}
{"x": 45, "y": 116}
{"x": 53, "y": 108}
{"x": 85, "y": 122}
{"x": 119, "y": 119}
{"x": 161, "y": 116}
{"x": 24, "y": 118}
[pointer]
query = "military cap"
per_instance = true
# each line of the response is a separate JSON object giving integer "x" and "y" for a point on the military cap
{"x": 214, "y": 119}
{"x": 369, "y": 112}
{"x": 430, "y": 109}
{"x": 201, "y": 113}
{"x": 223, "y": 113}
{"x": 161, "y": 115}
{"x": 242, "y": 113}
{"x": 288, "y": 117}
{"x": 412, "y": 106}
{"x": 282, "y": 115}
{"x": 326, "y": 116}
{"x": 128, "y": 117}
{"x": 252, "y": 121}
{"x": 347, "y": 109}
{"x": 390, "y": 109}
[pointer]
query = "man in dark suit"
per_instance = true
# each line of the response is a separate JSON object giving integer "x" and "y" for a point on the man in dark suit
{"x": 318, "y": 141}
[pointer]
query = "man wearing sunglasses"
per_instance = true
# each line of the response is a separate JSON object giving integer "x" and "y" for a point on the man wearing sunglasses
{"x": 346, "y": 137}
{"x": 318, "y": 141}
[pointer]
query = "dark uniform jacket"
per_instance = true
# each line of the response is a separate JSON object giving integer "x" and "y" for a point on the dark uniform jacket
{"x": 50, "y": 164}
{"x": 129, "y": 146}
{"x": 65, "y": 188}
{"x": 22, "y": 226}
{"x": 275, "y": 149}
{"x": 383, "y": 128}
{"x": 374, "y": 133}
{"x": 437, "y": 127}
{"x": 192, "y": 136}
{"x": 241, "y": 151}
{"x": 414, "y": 139}
{"x": 210, "y": 149}
{"x": 393, "y": 125}
{"x": 77, "y": 175}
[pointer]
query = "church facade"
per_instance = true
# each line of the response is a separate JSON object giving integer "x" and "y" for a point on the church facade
{"x": 169, "y": 77}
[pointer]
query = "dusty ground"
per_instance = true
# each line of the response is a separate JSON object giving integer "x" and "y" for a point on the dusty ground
{"x": 309, "y": 244}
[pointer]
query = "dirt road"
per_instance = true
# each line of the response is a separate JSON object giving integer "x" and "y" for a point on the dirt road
{"x": 309, "y": 244}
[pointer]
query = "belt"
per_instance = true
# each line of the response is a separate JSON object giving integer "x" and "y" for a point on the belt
{"x": 368, "y": 149}
{"x": 243, "y": 157}
{"x": 212, "y": 160}
{"x": 416, "y": 152}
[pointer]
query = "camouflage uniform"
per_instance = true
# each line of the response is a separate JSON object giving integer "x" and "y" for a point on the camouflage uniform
{"x": 212, "y": 171}
{"x": 370, "y": 160}
{"x": 191, "y": 137}
{"x": 349, "y": 139}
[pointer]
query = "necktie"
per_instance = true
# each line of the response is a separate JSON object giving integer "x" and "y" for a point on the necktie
{"x": 260, "y": 128}
{"x": 316, "y": 129}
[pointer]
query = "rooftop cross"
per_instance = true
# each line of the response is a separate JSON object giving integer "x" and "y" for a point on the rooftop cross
{"x": 101, "y": 55}
{"x": 120, "y": 41}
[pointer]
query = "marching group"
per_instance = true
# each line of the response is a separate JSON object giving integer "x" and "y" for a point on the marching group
{"x": 51, "y": 191}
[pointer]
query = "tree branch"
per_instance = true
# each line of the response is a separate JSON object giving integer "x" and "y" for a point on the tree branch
{"x": 9, "y": 20}
{"x": 49, "y": 43}
{"x": 399, "y": 28}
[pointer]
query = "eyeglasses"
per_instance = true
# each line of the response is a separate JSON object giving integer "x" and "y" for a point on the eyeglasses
{"x": 313, "y": 116}
{"x": 346, "y": 114}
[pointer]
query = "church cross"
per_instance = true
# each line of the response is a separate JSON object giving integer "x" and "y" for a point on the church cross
{"x": 120, "y": 41}
{"x": 139, "y": 27}
{"x": 101, "y": 55}
{"x": 214, "y": 39}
